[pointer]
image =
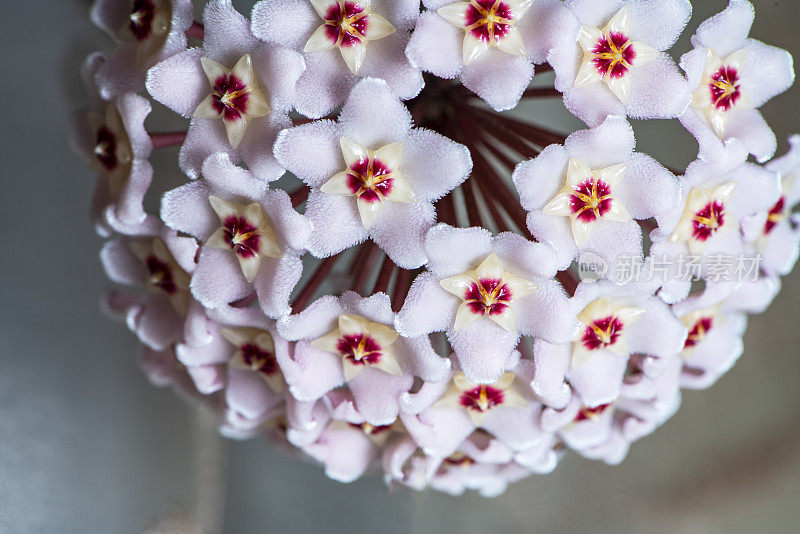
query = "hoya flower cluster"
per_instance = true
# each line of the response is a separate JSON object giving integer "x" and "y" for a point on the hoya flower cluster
{"x": 371, "y": 264}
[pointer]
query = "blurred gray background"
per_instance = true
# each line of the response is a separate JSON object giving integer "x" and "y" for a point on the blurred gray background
{"x": 88, "y": 445}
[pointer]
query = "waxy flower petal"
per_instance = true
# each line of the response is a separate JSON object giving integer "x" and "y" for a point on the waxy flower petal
{"x": 235, "y": 97}
{"x": 478, "y": 399}
{"x": 603, "y": 325}
{"x": 373, "y": 154}
{"x": 247, "y": 232}
{"x": 622, "y": 44}
{"x": 247, "y": 87}
{"x": 731, "y": 75}
{"x": 609, "y": 55}
{"x": 361, "y": 343}
{"x": 488, "y": 291}
{"x": 349, "y": 25}
{"x": 357, "y": 39}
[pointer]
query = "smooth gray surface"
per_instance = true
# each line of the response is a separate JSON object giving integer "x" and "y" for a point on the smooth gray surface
{"x": 87, "y": 445}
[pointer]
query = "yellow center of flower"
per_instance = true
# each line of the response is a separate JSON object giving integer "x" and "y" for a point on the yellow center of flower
{"x": 360, "y": 350}
{"x": 604, "y": 334}
{"x": 709, "y": 222}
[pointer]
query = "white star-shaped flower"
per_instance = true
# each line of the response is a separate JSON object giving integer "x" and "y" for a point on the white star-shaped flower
{"x": 721, "y": 89}
{"x": 477, "y": 400}
{"x": 255, "y": 351}
{"x": 349, "y": 26}
{"x": 488, "y": 23}
{"x": 699, "y": 323}
{"x": 164, "y": 275}
{"x": 372, "y": 177}
{"x": 609, "y": 55}
{"x": 704, "y": 216}
{"x": 587, "y": 197}
{"x": 603, "y": 324}
{"x": 490, "y": 291}
{"x": 247, "y": 232}
{"x": 235, "y": 97}
{"x": 361, "y": 343}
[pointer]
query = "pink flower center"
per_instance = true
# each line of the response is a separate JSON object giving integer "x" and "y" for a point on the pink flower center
{"x": 346, "y": 25}
{"x": 370, "y": 179}
{"x": 141, "y": 19}
{"x": 230, "y": 95}
{"x": 481, "y": 398}
{"x": 242, "y": 236}
{"x": 259, "y": 359}
{"x": 488, "y": 296}
{"x": 105, "y": 148}
{"x": 708, "y": 220}
{"x": 725, "y": 88}
{"x": 776, "y": 214}
{"x": 488, "y": 20}
{"x": 590, "y": 200}
{"x": 592, "y": 414}
{"x": 161, "y": 275}
{"x": 360, "y": 349}
{"x": 602, "y": 333}
{"x": 614, "y": 55}
{"x": 699, "y": 331}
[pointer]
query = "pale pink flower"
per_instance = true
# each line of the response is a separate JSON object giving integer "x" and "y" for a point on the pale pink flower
{"x": 732, "y": 76}
{"x": 342, "y": 42}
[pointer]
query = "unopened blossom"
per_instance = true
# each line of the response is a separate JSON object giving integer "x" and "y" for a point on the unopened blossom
{"x": 615, "y": 323}
{"x": 732, "y": 76}
{"x": 372, "y": 175}
{"x": 147, "y": 31}
{"x": 491, "y": 45}
{"x": 484, "y": 313}
{"x": 352, "y": 341}
{"x": 715, "y": 197}
{"x": 161, "y": 263}
{"x": 441, "y": 415}
{"x": 342, "y": 42}
{"x": 237, "y": 90}
{"x": 252, "y": 236}
{"x": 585, "y": 194}
{"x": 616, "y": 63}
{"x": 775, "y": 233}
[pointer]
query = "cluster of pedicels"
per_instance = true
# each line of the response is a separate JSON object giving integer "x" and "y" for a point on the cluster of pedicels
{"x": 404, "y": 299}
